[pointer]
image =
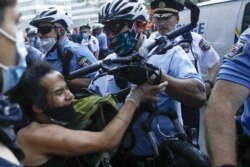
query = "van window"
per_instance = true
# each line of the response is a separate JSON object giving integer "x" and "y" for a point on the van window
{"x": 246, "y": 18}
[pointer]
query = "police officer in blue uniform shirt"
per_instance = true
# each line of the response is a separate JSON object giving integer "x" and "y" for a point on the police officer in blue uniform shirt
{"x": 52, "y": 24}
{"x": 184, "y": 83}
{"x": 231, "y": 90}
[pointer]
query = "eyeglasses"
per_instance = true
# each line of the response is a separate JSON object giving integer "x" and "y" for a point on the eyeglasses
{"x": 45, "y": 29}
{"x": 116, "y": 26}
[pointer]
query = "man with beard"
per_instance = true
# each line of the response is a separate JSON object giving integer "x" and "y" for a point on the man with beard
{"x": 50, "y": 137}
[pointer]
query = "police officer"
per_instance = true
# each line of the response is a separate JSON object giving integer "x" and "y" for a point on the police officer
{"x": 102, "y": 39}
{"x": 230, "y": 91}
{"x": 89, "y": 40}
{"x": 184, "y": 83}
{"x": 199, "y": 51}
{"x": 52, "y": 25}
{"x": 34, "y": 40}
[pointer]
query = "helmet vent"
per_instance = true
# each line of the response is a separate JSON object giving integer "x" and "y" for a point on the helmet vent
{"x": 126, "y": 11}
{"x": 117, "y": 4}
{"x": 52, "y": 13}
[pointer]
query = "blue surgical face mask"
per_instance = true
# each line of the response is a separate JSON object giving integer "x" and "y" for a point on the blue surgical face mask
{"x": 11, "y": 75}
{"x": 85, "y": 35}
{"x": 48, "y": 43}
{"x": 32, "y": 39}
{"x": 123, "y": 44}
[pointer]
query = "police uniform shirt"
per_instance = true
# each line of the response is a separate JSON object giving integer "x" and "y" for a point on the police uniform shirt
{"x": 82, "y": 57}
{"x": 202, "y": 51}
{"x": 102, "y": 39}
{"x": 176, "y": 64}
{"x": 236, "y": 69}
{"x": 172, "y": 63}
{"x": 106, "y": 84}
{"x": 92, "y": 43}
{"x": 154, "y": 35}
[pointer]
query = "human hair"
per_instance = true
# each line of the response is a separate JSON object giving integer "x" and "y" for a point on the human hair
{"x": 3, "y": 5}
{"x": 30, "y": 91}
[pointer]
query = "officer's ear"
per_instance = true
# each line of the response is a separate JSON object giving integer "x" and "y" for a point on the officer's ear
{"x": 60, "y": 31}
{"x": 177, "y": 18}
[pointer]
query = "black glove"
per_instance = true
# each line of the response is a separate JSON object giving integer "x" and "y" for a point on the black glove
{"x": 141, "y": 72}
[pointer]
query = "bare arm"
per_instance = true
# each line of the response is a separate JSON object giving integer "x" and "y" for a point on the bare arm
{"x": 225, "y": 100}
{"x": 187, "y": 91}
{"x": 55, "y": 140}
{"x": 96, "y": 54}
{"x": 212, "y": 72}
{"x": 211, "y": 75}
{"x": 79, "y": 83}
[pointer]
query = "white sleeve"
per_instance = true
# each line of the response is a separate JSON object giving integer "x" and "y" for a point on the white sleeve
{"x": 207, "y": 55}
{"x": 94, "y": 44}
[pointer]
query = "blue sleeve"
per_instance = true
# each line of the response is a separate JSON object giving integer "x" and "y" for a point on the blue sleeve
{"x": 236, "y": 64}
{"x": 83, "y": 57}
{"x": 34, "y": 55}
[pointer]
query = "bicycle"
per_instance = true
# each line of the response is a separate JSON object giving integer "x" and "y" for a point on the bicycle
{"x": 172, "y": 149}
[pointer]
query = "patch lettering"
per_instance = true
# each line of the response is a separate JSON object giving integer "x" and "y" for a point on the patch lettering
{"x": 83, "y": 62}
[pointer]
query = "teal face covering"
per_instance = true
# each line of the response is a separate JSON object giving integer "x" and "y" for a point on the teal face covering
{"x": 123, "y": 44}
{"x": 12, "y": 75}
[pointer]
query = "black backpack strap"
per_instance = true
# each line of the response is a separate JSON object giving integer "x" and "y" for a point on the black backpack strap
{"x": 188, "y": 36}
{"x": 66, "y": 60}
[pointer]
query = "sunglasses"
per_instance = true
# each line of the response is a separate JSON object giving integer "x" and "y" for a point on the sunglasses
{"x": 45, "y": 29}
{"x": 116, "y": 27}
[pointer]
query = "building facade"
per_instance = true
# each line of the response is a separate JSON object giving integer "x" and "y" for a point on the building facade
{"x": 80, "y": 11}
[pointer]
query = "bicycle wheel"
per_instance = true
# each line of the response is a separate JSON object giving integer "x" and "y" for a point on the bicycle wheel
{"x": 184, "y": 155}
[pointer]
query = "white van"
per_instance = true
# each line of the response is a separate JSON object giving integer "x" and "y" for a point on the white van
{"x": 220, "y": 22}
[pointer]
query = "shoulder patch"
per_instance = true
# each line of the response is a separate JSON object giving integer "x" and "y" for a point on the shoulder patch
{"x": 204, "y": 45}
{"x": 237, "y": 49}
{"x": 83, "y": 62}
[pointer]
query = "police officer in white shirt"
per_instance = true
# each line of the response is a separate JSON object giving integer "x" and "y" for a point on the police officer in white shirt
{"x": 201, "y": 53}
{"x": 89, "y": 40}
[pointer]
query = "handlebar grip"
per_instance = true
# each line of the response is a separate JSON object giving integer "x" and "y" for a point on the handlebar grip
{"x": 180, "y": 31}
{"x": 195, "y": 11}
{"x": 84, "y": 71}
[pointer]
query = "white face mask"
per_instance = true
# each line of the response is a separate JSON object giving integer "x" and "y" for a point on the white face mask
{"x": 12, "y": 75}
{"x": 48, "y": 43}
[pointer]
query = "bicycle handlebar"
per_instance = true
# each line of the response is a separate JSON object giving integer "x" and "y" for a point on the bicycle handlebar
{"x": 84, "y": 71}
{"x": 95, "y": 67}
{"x": 137, "y": 56}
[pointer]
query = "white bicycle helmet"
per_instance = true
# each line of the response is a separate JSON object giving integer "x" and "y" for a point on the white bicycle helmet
{"x": 52, "y": 15}
{"x": 32, "y": 32}
{"x": 122, "y": 10}
{"x": 97, "y": 26}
